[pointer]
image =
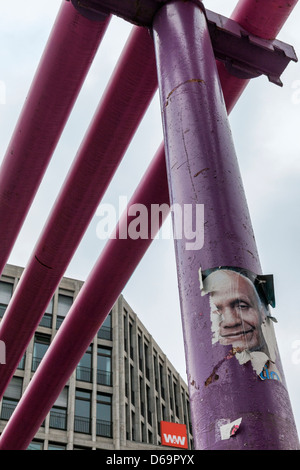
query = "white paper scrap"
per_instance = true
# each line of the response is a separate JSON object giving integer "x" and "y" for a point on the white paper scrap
{"x": 228, "y": 430}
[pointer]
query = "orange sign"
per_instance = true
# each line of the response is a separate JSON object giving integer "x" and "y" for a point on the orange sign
{"x": 173, "y": 434}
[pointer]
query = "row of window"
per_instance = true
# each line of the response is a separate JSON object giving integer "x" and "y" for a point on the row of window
{"x": 169, "y": 403}
{"x": 159, "y": 379}
{"x": 64, "y": 303}
{"x": 40, "y": 445}
{"x": 59, "y": 412}
{"x": 139, "y": 360}
{"x": 84, "y": 370}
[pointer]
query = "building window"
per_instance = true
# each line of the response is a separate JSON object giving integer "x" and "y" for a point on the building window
{"x": 143, "y": 436}
{"x": 127, "y": 423}
{"x": 132, "y": 385}
{"x": 21, "y": 364}
{"x": 158, "y": 416}
{"x": 140, "y": 351}
{"x": 5, "y": 296}
{"x": 104, "y": 369}
{"x": 176, "y": 399}
{"x": 11, "y": 397}
{"x": 35, "y": 445}
{"x": 162, "y": 388}
{"x": 84, "y": 368}
{"x": 133, "y": 437}
{"x": 149, "y": 413}
{"x": 63, "y": 307}
{"x": 47, "y": 317}
{"x": 104, "y": 415}
{"x": 147, "y": 368}
{"x": 155, "y": 372}
{"x": 185, "y": 420}
{"x": 125, "y": 329}
{"x": 163, "y": 411}
{"x": 105, "y": 331}
{"x": 58, "y": 413}
{"x": 82, "y": 421}
{"x": 126, "y": 377}
{"x": 142, "y": 400}
{"x": 41, "y": 344}
{"x": 131, "y": 340}
{"x": 170, "y": 392}
{"x": 52, "y": 446}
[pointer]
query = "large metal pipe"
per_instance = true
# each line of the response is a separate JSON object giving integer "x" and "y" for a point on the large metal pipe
{"x": 96, "y": 298}
{"x": 11, "y": 436}
{"x": 70, "y": 50}
{"x": 119, "y": 113}
{"x": 202, "y": 168}
{"x": 264, "y": 18}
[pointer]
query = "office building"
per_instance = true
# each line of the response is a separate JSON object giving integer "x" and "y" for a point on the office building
{"x": 121, "y": 390}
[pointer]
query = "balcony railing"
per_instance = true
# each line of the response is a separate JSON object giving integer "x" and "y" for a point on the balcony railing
{"x": 104, "y": 378}
{"x": 46, "y": 321}
{"x": 82, "y": 425}
{"x": 7, "y": 410}
{"x": 58, "y": 420}
{"x": 103, "y": 428}
{"x": 84, "y": 373}
{"x": 105, "y": 332}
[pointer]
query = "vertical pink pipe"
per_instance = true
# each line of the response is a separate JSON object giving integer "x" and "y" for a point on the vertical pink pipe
{"x": 70, "y": 50}
{"x": 119, "y": 113}
{"x": 228, "y": 235}
{"x": 114, "y": 267}
{"x": 264, "y": 18}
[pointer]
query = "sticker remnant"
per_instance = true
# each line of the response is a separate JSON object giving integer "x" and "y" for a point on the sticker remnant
{"x": 230, "y": 429}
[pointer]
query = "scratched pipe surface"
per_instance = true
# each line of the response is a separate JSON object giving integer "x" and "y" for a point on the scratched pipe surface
{"x": 119, "y": 113}
{"x": 202, "y": 168}
{"x": 69, "y": 52}
{"x": 231, "y": 95}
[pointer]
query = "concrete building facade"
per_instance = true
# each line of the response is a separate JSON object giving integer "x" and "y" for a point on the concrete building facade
{"x": 121, "y": 390}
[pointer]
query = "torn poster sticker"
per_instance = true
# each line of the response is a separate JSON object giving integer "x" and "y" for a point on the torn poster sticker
{"x": 229, "y": 430}
{"x": 240, "y": 316}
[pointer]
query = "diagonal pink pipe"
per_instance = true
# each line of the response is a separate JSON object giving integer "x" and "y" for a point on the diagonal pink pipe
{"x": 117, "y": 262}
{"x": 88, "y": 312}
{"x": 264, "y": 18}
{"x": 70, "y": 50}
{"x": 128, "y": 94}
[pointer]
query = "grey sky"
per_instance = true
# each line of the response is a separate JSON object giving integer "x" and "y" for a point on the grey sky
{"x": 265, "y": 127}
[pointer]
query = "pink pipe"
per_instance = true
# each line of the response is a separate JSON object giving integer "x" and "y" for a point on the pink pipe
{"x": 70, "y": 50}
{"x": 264, "y": 18}
{"x": 119, "y": 113}
{"x": 116, "y": 263}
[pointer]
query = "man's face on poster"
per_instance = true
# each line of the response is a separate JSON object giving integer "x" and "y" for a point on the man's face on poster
{"x": 236, "y": 311}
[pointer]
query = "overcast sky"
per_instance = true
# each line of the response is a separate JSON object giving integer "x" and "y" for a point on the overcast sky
{"x": 265, "y": 126}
